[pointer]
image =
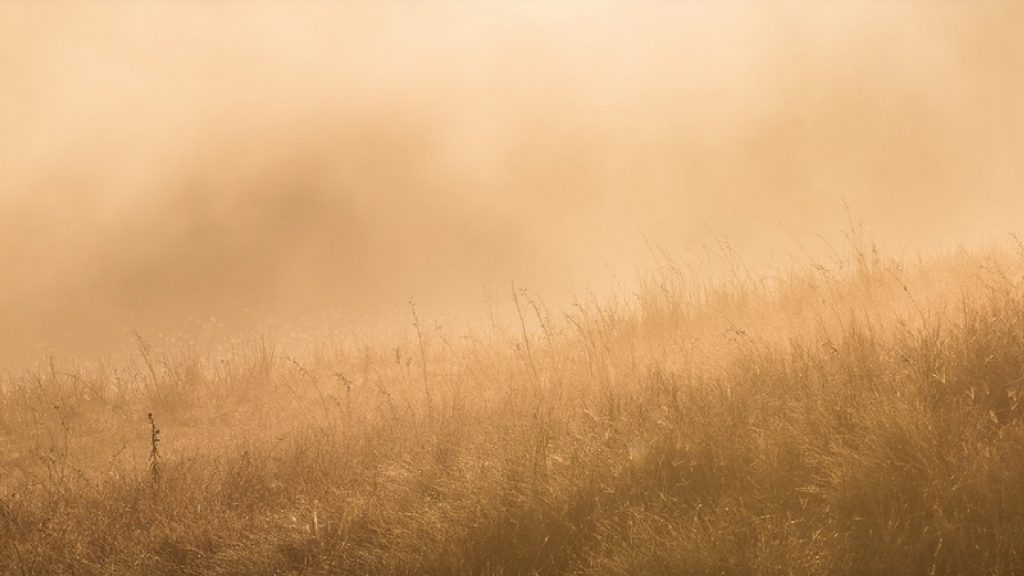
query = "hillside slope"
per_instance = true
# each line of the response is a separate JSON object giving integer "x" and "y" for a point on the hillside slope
{"x": 856, "y": 417}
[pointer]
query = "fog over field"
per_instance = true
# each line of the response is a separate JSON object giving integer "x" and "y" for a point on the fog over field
{"x": 161, "y": 162}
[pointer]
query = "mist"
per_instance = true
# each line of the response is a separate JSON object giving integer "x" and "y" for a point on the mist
{"x": 168, "y": 163}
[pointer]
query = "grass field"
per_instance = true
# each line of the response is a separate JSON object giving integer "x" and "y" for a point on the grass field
{"x": 860, "y": 416}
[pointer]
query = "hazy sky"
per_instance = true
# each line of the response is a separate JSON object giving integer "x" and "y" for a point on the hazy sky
{"x": 253, "y": 160}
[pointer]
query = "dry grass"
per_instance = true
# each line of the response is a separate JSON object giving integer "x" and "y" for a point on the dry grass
{"x": 858, "y": 417}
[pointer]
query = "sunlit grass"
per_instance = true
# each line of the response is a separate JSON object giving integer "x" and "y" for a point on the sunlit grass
{"x": 860, "y": 416}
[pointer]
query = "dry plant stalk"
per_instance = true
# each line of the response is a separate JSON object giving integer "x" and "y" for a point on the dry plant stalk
{"x": 154, "y": 450}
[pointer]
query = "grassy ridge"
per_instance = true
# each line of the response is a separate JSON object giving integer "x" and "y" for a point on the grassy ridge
{"x": 860, "y": 417}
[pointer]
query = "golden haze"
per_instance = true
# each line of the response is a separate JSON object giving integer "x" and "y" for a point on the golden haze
{"x": 256, "y": 161}
{"x": 709, "y": 364}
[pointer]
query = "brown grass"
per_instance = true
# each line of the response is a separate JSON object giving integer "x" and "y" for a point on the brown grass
{"x": 855, "y": 417}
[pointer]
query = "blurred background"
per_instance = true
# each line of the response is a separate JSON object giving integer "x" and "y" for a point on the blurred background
{"x": 164, "y": 164}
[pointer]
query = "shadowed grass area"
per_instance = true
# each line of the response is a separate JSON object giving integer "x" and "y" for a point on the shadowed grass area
{"x": 860, "y": 417}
